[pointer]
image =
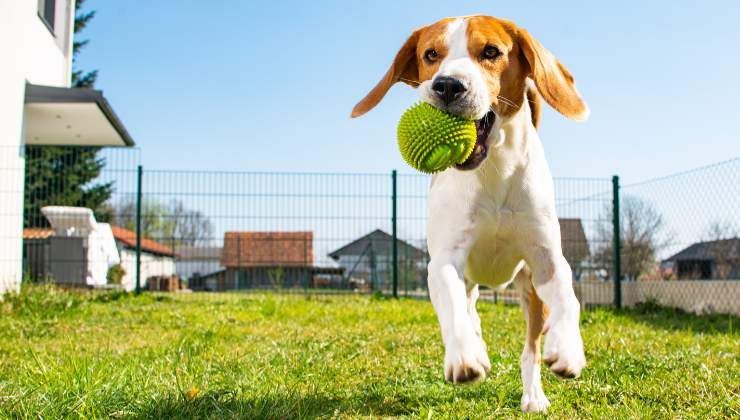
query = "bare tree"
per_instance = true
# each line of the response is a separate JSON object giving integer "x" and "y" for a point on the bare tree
{"x": 642, "y": 237}
{"x": 722, "y": 238}
{"x": 189, "y": 226}
{"x": 173, "y": 224}
{"x": 154, "y": 223}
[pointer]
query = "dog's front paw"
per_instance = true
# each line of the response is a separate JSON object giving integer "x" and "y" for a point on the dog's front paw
{"x": 466, "y": 360}
{"x": 564, "y": 348}
{"x": 534, "y": 401}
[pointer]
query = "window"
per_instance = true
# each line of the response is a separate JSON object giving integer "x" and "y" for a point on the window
{"x": 47, "y": 9}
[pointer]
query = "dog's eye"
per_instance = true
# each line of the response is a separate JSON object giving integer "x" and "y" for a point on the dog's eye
{"x": 490, "y": 52}
{"x": 431, "y": 55}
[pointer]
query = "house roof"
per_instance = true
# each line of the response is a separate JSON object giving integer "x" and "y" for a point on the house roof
{"x": 708, "y": 250}
{"x": 37, "y": 233}
{"x": 267, "y": 249}
{"x": 71, "y": 116}
{"x": 199, "y": 253}
{"x": 128, "y": 239}
{"x": 125, "y": 236}
{"x": 381, "y": 243}
{"x": 573, "y": 239}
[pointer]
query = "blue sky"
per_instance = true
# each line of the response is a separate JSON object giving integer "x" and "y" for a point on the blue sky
{"x": 268, "y": 86}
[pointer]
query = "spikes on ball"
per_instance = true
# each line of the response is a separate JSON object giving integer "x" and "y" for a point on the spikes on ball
{"x": 432, "y": 140}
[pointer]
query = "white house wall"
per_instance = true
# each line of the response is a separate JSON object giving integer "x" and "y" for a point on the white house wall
{"x": 30, "y": 53}
{"x": 151, "y": 265}
{"x": 46, "y": 62}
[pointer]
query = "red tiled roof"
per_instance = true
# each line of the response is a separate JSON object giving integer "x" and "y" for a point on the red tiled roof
{"x": 267, "y": 249}
{"x": 37, "y": 233}
{"x": 128, "y": 238}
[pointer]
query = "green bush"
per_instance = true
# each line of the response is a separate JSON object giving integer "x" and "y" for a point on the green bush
{"x": 115, "y": 274}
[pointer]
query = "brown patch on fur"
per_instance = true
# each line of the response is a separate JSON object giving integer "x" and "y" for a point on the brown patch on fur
{"x": 537, "y": 313}
{"x": 433, "y": 37}
{"x": 521, "y": 57}
{"x": 505, "y": 76}
{"x": 553, "y": 80}
{"x": 535, "y": 106}
{"x": 403, "y": 68}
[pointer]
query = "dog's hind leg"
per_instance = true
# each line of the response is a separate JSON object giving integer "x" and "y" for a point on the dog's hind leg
{"x": 535, "y": 313}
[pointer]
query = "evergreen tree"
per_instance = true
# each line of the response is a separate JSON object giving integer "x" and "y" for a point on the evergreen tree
{"x": 79, "y": 77}
{"x": 57, "y": 175}
{"x": 64, "y": 176}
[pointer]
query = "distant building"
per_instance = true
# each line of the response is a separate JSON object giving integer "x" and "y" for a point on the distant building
{"x": 198, "y": 261}
{"x": 717, "y": 260}
{"x": 57, "y": 259}
{"x": 267, "y": 259}
{"x": 575, "y": 245}
{"x": 211, "y": 282}
{"x": 369, "y": 259}
{"x": 67, "y": 259}
{"x": 157, "y": 260}
{"x": 75, "y": 251}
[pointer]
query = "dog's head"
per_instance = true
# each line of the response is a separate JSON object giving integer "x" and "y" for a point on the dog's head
{"x": 477, "y": 67}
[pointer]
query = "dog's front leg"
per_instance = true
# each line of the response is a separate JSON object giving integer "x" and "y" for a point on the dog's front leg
{"x": 553, "y": 283}
{"x": 465, "y": 353}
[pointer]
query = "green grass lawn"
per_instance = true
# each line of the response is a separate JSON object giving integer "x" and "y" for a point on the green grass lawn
{"x": 275, "y": 356}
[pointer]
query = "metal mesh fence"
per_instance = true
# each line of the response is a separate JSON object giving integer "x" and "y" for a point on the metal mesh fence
{"x": 334, "y": 233}
{"x": 680, "y": 239}
{"x": 286, "y": 231}
{"x": 63, "y": 246}
{"x": 11, "y": 216}
{"x": 584, "y": 208}
{"x": 226, "y": 231}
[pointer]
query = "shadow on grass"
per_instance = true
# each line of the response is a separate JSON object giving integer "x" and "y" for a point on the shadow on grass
{"x": 269, "y": 407}
{"x": 292, "y": 405}
{"x": 677, "y": 320}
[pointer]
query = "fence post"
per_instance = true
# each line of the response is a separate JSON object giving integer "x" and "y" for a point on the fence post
{"x": 394, "y": 224}
{"x": 139, "y": 174}
{"x": 617, "y": 244}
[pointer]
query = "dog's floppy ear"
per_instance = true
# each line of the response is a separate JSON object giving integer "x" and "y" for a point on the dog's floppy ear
{"x": 404, "y": 68}
{"x": 535, "y": 104}
{"x": 553, "y": 80}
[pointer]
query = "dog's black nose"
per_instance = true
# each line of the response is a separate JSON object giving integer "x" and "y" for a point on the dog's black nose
{"x": 448, "y": 88}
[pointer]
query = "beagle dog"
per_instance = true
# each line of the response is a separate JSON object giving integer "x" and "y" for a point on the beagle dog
{"x": 492, "y": 218}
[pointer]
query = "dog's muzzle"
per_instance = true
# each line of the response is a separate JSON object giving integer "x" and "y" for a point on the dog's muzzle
{"x": 448, "y": 89}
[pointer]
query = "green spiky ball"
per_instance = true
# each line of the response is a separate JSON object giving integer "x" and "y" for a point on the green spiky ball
{"x": 432, "y": 140}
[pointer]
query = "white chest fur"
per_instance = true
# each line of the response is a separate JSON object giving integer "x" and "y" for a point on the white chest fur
{"x": 497, "y": 210}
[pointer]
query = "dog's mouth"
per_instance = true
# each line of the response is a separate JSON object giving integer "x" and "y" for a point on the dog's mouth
{"x": 483, "y": 129}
